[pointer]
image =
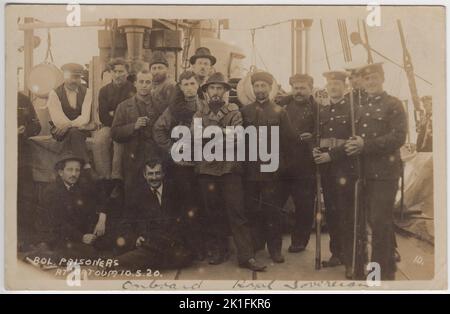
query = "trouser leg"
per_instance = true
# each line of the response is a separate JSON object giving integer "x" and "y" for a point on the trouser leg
{"x": 332, "y": 213}
{"x": 214, "y": 212}
{"x": 381, "y": 198}
{"x": 116, "y": 170}
{"x": 101, "y": 151}
{"x": 232, "y": 194}
{"x": 271, "y": 209}
{"x": 254, "y": 213}
{"x": 75, "y": 141}
{"x": 303, "y": 194}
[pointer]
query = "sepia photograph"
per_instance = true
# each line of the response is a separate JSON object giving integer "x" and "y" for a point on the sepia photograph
{"x": 225, "y": 147}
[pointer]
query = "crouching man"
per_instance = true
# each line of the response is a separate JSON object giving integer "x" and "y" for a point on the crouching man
{"x": 73, "y": 218}
{"x": 153, "y": 226}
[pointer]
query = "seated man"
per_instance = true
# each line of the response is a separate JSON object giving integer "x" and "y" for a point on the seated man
{"x": 158, "y": 234}
{"x": 109, "y": 97}
{"x": 73, "y": 218}
{"x": 69, "y": 106}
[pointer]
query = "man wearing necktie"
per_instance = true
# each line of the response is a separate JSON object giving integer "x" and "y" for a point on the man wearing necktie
{"x": 154, "y": 228}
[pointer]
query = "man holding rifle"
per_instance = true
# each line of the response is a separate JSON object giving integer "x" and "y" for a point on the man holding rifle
{"x": 380, "y": 132}
{"x": 337, "y": 170}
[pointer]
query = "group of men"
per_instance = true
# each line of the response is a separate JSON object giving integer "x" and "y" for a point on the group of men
{"x": 175, "y": 212}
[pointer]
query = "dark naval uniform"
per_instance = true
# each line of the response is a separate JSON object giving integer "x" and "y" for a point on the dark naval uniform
{"x": 338, "y": 176}
{"x": 381, "y": 122}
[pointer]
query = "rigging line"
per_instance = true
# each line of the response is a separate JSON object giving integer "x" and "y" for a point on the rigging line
{"x": 262, "y": 60}
{"x": 324, "y": 45}
{"x": 347, "y": 43}
{"x": 399, "y": 65}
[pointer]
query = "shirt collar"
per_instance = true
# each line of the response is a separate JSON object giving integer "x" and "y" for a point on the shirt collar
{"x": 70, "y": 90}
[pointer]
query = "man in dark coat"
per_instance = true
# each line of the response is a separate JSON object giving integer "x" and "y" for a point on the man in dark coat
{"x": 73, "y": 212}
{"x": 163, "y": 87}
{"x": 27, "y": 125}
{"x": 337, "y": 170}
{"x": 262, "y": 189}
{"x": 180, "y": 113}
{"x": 132, "y": 126}
{"x": 298, "y": 177}
{"x": 381, "y": 130}
{"x": 109, "y": 97}
{"x": 155, "y": 229}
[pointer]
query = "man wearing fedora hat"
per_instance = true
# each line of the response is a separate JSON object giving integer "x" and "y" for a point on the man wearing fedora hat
{"x": 202, "y": 62}
{"x": 381, "y": 126}
{"x": 163, "y": 87}
{"x": 221, "y": 182}
{"x": 262, "y": 190}
{"x": 73, "y": 211}
{"x": 69, "y": 106}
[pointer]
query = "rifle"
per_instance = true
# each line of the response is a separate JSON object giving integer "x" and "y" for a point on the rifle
{"x": 318, "y": 207}
{"x": 358, "y": 186}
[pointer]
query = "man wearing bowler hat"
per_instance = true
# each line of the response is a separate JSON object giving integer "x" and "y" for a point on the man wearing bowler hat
{"x": 381, "y": 126}
{"x": 202, "y": 62}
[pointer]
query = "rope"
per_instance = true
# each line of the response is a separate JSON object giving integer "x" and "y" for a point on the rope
{"x": 49, "y": 48}
{"x": 325, "y": 45}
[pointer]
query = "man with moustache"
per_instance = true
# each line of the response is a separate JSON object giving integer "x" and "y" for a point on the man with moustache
{"x": 163, "y": 87}
{"x": 69, "y": 106}
{"x": 298, "y": 179}
{"x": 180, "y": 113}
{"x": 221, "y": 181}
{"x": 110, "y": 96}
{"x": 201, "y": 63}
{"x": 262, "y": 189}
{"x": 132, "y": 126}
{"x": 381, "y": 126}
{"x": 158, "y": 238}
{"x": 337, "y": 170}
{"x": 73, "y": 211}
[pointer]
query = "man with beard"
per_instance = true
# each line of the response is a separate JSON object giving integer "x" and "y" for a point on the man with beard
{"x": 337, "y": 170}
{"x": 180, "y": 113}
{"x": 109, "y": 97}
{"x": 298, "y": 179}
{"x": 163, "y": 87}
{"x": 69, "y": 106}
{"x": 263, "y": 188}
{"x": 221, "y": 181}
{"x": 132, "y": 125}
{"x": 381, "y": 126}
{"x": 158, "y": 239}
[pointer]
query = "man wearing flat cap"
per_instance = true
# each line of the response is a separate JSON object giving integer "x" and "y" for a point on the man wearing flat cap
{"x": 73, "y": 213}
{"x": 381, "y": 130}
{"x": 337, "y": 169}
{"x": 69, "y": 106}
{"x": 108, "y": 154}
{"x": 221, "y": 181}
{"x": 262, "y": 189}
{"x": 163, "y": 87}
{"x": 298, "y": 179}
